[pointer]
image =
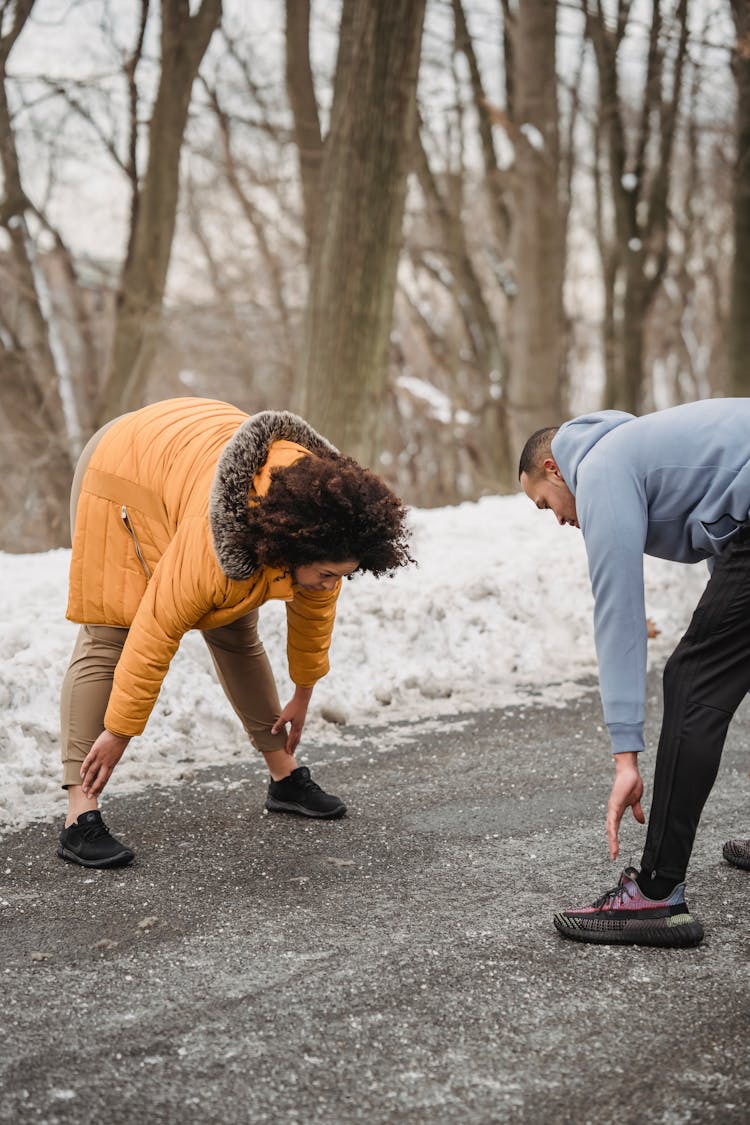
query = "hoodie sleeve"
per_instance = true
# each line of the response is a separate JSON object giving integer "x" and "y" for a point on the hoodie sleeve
{"x": 613, "y": 516}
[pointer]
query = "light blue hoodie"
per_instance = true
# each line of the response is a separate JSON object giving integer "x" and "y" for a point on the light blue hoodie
{"x": 675, "y": 484}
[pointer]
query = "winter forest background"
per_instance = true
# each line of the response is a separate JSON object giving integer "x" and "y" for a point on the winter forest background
{"x": 430, "y": 226}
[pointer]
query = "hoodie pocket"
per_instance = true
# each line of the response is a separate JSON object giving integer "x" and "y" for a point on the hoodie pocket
{"x": 131, "y": 532}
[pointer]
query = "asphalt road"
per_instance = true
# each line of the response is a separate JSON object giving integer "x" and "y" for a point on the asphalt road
{"x": 399, "y": 965}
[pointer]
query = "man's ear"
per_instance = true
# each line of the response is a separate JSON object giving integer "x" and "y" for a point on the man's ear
{"x": 551, "y": 468}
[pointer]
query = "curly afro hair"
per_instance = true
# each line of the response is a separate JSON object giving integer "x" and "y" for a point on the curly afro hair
{"x": 329, "y": 509}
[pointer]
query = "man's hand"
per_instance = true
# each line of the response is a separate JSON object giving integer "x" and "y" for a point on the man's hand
{"x": 100, "y": 762}
{"x": 295, "y": 714}
{"x": 627, "y": 790}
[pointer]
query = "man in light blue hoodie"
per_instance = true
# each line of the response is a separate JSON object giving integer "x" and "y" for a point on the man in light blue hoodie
{"x": 675, "y": 484}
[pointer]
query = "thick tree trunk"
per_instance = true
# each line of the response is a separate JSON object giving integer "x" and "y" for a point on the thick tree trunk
{"x": 537, "y": 324}
{"x": 355, "y": 257}
{"x": 739, "y": 316}
{"x": 184, "y": 39}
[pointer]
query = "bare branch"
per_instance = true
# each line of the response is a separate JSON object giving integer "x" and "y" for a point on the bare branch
{"x": 18, "y": 11}
{"x": 56, "y": 89}
{"x": 465, "y": 45}
{"x": 129, "y": 70}
{"x": 249, "y": 210}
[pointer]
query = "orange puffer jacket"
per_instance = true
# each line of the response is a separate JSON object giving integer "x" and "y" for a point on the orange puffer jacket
{"x": 160, "y": 543}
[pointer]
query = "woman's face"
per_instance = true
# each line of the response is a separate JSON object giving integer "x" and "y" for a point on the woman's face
{"x": 323, "y": 575}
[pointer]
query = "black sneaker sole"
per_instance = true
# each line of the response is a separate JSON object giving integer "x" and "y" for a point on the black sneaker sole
{"x": 735, "y": 858}
{"x": 289, "y": 806}
{"x": 119, "y": 860}
{"x": 681, "y": 935}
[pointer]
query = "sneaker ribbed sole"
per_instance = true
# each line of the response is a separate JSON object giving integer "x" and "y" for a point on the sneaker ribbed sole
{"x": 119, "y": 860}
{"x": 679, "y": 931}
{"x": 289, "y": 806}
{"x": 737, "y": 853}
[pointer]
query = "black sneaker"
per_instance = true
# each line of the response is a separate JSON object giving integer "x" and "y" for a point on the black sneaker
{"x": 737, "y": 852}
{"x": 298, "y": 793}
{"x": 90, "y": 843}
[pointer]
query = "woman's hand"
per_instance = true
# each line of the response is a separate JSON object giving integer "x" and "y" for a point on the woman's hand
{"x": 627, "y": 791}
{"x": 100, "y": 762}
{"x": 295, "y": 714}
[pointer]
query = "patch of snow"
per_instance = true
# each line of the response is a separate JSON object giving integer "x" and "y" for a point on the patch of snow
{"x": 499, "y": 606}
{"x": 533, "y": 136}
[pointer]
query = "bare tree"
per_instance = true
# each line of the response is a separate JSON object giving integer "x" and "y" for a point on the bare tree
{"x": 686, "y": 336}
{"x": 184, "y": 39}
{"x": 535, "y": 377}
{"x": 344, "y": 354}
{"x": 522, "y": 339}
{"x": 492, "y": 358}
{"x": 55, "y": 390}
{"x": 291, "y": 218}
{"x": 30, "y": 392}
{"x": 635, "y": 180}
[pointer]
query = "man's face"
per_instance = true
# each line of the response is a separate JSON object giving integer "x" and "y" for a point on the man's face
{"x": 547, "y": 489}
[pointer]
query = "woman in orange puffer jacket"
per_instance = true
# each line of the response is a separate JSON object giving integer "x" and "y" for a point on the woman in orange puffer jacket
{"x": 190, "y": 514}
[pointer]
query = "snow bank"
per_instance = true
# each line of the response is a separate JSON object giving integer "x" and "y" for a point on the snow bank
{"x": 498, "y": 610}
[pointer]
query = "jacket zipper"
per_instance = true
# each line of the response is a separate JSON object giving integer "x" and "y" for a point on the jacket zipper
{"x": 136, "y": 544}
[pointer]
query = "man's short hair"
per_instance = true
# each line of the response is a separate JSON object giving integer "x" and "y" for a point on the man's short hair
{"x": 535, "y": 450}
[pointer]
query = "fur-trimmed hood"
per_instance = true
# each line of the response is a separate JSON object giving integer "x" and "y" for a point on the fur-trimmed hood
{"x": 243, "y": 457}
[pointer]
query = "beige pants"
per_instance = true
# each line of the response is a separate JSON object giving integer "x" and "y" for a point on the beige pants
{"x": 236, "y": 650}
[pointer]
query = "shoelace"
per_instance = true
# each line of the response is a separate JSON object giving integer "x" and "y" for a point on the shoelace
{"x": 613, "y": 897}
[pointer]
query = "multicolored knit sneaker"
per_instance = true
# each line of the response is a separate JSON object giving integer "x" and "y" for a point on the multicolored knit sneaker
{"x": 737, "y": 852}
{"x": 625, "y": 916}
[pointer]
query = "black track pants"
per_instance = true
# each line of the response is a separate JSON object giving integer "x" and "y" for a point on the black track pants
{"x": 705, "y": 680}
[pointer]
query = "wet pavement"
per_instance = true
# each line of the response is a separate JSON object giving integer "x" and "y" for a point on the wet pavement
{"x": 399, "y": 965}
